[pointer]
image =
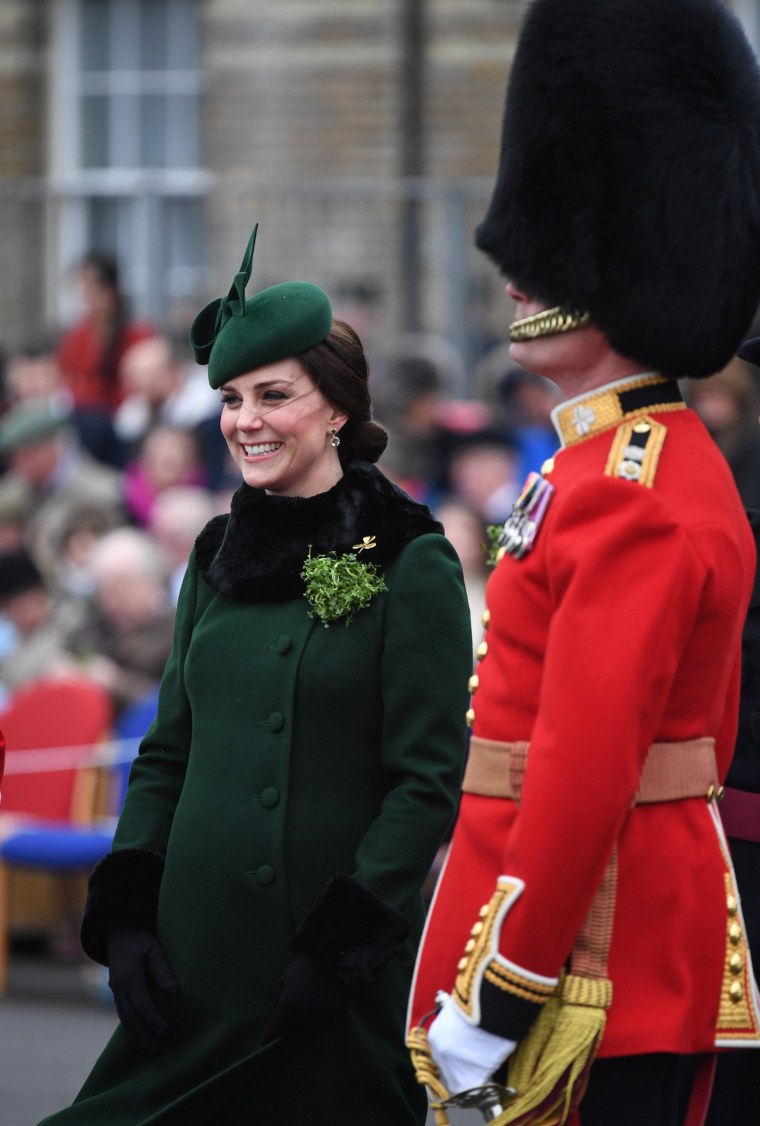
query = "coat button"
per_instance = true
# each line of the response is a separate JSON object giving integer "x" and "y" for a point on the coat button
{"x": 276, "y": 722}
{"x": 269, "y": 797}
{"x": 472, "y": 683}
{"x": 283, "y": 645}
{"x": 481, "y": 650}
{"x": 469, "y": 717}
{"x": 485, "y": 618}
{"x": 264, "y": 875}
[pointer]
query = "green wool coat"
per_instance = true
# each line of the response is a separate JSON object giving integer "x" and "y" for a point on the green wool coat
{"x": 284, "y": 753}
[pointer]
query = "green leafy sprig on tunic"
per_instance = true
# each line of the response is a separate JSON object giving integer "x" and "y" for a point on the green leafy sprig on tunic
{"x": 493, "y": 547}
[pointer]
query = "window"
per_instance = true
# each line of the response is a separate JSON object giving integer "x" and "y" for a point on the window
{"x": 139, "y": 84}
{"x": 126, "y": 153}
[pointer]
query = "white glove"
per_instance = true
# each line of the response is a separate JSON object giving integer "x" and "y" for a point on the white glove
{"x": 466, "y": 1055}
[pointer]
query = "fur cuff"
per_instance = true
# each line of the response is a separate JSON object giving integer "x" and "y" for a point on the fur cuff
{"x": 122, "y": 892}
{"x": 352, "y": 930}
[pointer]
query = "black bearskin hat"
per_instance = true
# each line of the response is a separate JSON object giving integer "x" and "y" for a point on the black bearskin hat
{"x": 629, "y": 177}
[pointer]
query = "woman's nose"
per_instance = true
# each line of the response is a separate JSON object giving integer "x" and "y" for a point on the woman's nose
{"x": 249, "y": 418}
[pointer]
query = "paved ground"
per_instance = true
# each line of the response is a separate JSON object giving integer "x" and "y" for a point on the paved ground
{"x": 53, "y": 1023}
{"x": 52, "y": 1027}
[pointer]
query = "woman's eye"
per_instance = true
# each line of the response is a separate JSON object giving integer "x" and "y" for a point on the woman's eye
{"x": 273, "y": 396}
{"x": 229, "y": 400}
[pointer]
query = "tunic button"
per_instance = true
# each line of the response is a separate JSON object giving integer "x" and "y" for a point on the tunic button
{"x": 481, "y": 650}
{"x": 735, "y": 934}
{"x": 283, "y": 645}
{"x": 736, "y": 992}
{"x": 265, "y": 875}
{"x": 485, "y": 618}
{"x": 462, "y": 965}
{"x": 472, "y": 683}
{"x": 469, "y": 946}
{"x": 477, "y": 929}
{"x": 736, "y": 963}
{"x": 276, "y": 722}
{"x": 732, "y": 905}
{"x": 469, "y": 717}
{"x": 270, "y": 797}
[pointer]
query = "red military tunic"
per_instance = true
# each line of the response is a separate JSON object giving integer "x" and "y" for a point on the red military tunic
{"x": 618, "y": 629}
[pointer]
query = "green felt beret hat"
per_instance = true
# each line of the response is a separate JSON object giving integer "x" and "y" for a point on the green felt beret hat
{"x": 234, "y": 335}
{"x": 27, "y": 422}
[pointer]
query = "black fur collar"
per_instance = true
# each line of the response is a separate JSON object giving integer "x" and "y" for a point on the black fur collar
{"x": 256, "y": 552}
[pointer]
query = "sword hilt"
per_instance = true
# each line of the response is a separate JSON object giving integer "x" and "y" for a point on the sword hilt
{"x": 488, "y": 1099}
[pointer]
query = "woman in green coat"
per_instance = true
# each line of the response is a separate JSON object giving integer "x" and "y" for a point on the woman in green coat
{"x": 261, "y": 907}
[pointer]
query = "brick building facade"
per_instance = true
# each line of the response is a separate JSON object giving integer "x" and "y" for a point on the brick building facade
{"x": 302, "y": 127}
{"x": 366, "y": 163}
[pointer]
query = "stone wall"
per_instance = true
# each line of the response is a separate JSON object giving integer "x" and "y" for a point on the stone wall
{"x": 23, "y": 90}
{"x": 303, "y": 113}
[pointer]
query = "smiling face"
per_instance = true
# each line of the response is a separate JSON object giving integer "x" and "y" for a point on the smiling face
{"x": 277, "y": 426}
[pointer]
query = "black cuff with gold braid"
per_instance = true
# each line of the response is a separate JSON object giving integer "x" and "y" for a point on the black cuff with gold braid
{"x": 492, "y": 992}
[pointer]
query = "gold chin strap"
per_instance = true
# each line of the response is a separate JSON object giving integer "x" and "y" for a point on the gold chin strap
{"x": 562, "y": 318}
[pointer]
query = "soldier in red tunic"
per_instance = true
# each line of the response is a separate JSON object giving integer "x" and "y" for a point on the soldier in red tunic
{"x": 586, "y": 944}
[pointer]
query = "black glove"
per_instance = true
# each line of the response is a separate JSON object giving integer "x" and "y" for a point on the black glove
{"x": 134, "y": 960}
{"x": 311, "y": 995}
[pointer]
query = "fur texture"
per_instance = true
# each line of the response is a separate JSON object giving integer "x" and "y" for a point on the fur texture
{"x": 629, "y": 176}
{"x": 122, "y": 892}
{"x": 352, "y": 931}
{"x": 256, "y": 552}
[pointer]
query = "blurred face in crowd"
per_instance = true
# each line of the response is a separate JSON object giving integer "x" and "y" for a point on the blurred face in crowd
{"x": 478, "y": 471}
{"x": 129, "y": 578}
{"x": 33, "y": 377}
{"x": 36, "y": 461}
{"x": 719, "y": 407}
{"x": 169, "y": 455}
{"x": 99, "y": 297}
{"x": 465, "y": 530}
{"x": 277, "y": 426}
{"x": 126, "y": 596}
{"x": 28, "y": 610}
{"x": 149, "y": 369}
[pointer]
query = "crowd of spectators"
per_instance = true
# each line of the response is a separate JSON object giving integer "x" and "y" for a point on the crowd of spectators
{"x": 112, "y": 460}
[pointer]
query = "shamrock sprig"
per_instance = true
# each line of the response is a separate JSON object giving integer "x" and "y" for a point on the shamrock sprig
{"x": 339, "y": 585}
{"x": 493, "y": 547}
